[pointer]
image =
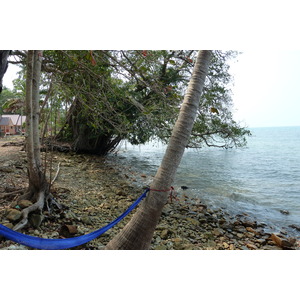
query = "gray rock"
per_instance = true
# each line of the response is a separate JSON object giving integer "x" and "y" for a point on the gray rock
{"x": 87, "y": 220}
{"x": 24, "y": 203}
{"x": 121, "y": 192}
{"x": 158, "y": 240}
{"x": 14, "y": 215}
{"x": 15, "y": 247}
{"x": 161, "y": 247}
{"x": 35, "y": 219}
{"x": 240, "y": 229}
{"x": 6, "y": 169}
{"x": 218, "y": 231}
{"x": 193, "y": 221}
{"x": 164, "y": 234}
{"x": 8, "y": 225}
{"x": 211, "y": 244}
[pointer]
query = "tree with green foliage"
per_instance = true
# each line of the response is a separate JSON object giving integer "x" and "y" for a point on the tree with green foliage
{"x": 5, "y": 96}
{"x": 135, "y": 95}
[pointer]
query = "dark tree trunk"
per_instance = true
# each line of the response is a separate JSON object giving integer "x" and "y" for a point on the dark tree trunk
{"x": 83, "y": 138}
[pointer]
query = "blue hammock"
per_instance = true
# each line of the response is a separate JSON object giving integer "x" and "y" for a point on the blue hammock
{"x": 59, "y": 244}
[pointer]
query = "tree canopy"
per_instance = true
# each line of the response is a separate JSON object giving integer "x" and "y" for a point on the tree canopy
{"x": 100, "y": 97}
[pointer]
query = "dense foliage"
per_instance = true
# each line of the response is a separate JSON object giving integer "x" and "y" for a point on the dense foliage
{"x": 5, "y": 95}
{"x": 97, "y": 98}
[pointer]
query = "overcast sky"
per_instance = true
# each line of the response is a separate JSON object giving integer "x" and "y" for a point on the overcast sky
{"x": 266, "y": 88}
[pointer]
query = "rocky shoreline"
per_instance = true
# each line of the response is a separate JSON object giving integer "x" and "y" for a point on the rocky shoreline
{"x": 94, "y": 191}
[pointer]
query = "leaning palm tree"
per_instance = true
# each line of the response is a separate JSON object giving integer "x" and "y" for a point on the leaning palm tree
{"x": 138, "y": 233}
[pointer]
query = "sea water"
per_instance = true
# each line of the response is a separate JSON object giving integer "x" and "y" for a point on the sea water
{"x": 261, "y": 180}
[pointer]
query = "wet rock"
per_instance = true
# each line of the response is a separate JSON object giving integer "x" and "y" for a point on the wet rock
{"x": 285, "y": 212}
{"x": 262, "y": 225}
{"x": 211, "y": 219}
{"x": 295, "y": 227}
{"x": 249, "y": 223}
{"x": 13, "y": 215}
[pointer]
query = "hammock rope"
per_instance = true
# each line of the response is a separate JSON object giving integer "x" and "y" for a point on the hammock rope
{"x": 59, "y": 244}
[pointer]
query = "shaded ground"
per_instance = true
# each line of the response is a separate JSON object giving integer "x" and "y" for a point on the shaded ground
{"x": 95, "y": 190}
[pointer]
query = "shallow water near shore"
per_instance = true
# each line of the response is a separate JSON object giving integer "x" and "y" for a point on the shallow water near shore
{"x": 261, "y": 180}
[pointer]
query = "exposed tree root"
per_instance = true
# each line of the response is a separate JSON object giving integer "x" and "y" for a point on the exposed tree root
{"x": 50, "y": 145}
{"x": 50, "y": 201}
{"x": 26, "y": 196}
{"x": 44, "y": 200}
{"x": 38, "y": 205}
{"x": 10, "y": 144}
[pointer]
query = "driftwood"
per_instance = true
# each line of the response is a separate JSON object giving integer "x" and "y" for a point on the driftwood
{"x": 56, "y": 174}
{"x": 5, "y": 195}
{"x": 13, "y": 144}
{"x": 50, "y": 144}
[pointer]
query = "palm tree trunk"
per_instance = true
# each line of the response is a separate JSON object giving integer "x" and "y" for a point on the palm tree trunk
{"x": 138, "y": 233}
